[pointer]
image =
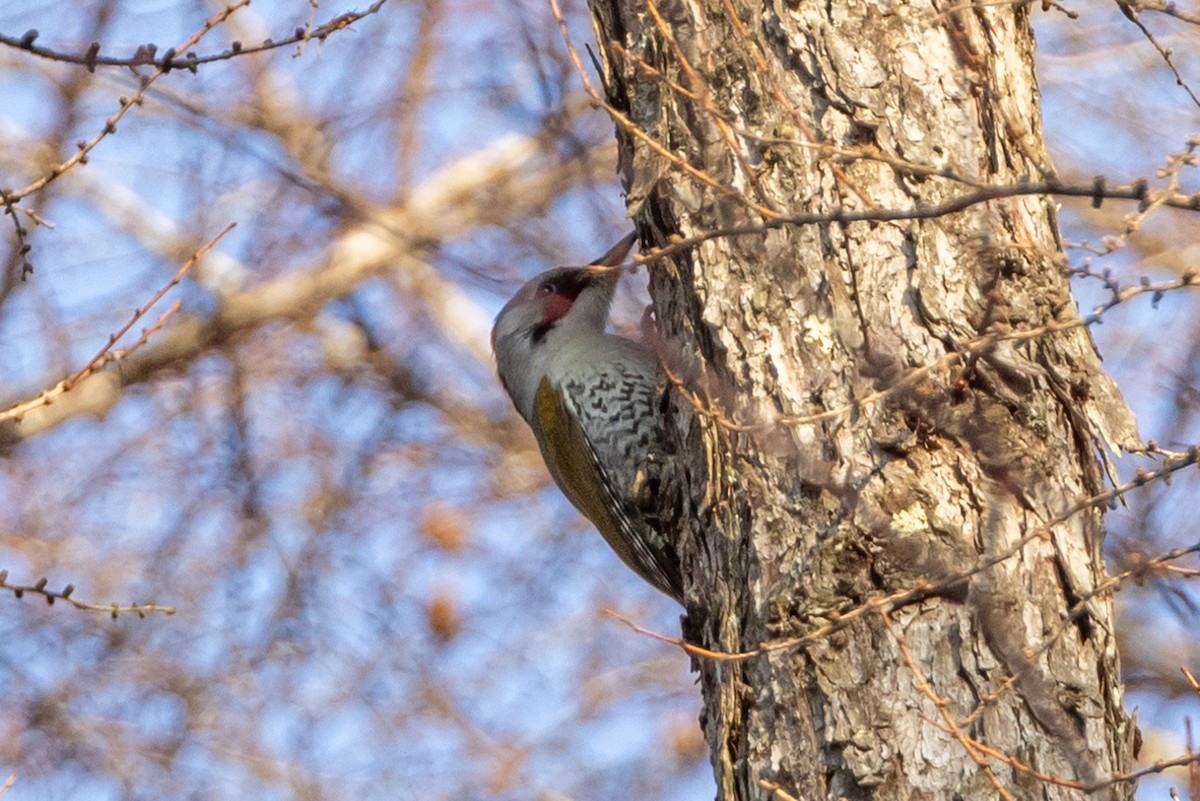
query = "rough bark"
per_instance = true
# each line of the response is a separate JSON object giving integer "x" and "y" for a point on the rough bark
{"x": 951, "y": 484}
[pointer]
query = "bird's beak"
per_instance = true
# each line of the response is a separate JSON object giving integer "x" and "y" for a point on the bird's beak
{"x": 617, "y": 253}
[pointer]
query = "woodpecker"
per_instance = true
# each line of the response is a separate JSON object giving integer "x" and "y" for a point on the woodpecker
{"x": 591, "y": 399}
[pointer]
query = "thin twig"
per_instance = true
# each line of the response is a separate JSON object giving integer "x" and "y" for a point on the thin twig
{"x": 776, "y": 790}
{"x": 1130, "y": 10}
{"x": 126, "y": 103}
{"x": 66, "y": 595}
{"x": 924, "y": 589}
{"x": 106, "y": 355}
{"x": 621, "y": 119}
{"x": 981, "y": 344}
{"x": 91, "y": 58}
{"x": 977, "y": 755}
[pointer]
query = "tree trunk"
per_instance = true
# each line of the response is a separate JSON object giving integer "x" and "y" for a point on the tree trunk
{"x": 885, "y": 426}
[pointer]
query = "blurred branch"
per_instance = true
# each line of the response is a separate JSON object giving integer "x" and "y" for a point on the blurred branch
{"x": 114, "y": 609}
{"x": 515, "y": 172}
{"x": 107, "y": 355}
{"x": 155, "y": 230}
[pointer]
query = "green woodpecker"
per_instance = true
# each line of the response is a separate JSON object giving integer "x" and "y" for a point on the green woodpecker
{"x": 591, "y": 399}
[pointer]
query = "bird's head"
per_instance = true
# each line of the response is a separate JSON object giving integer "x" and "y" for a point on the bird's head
{"x": 550, "y": 310}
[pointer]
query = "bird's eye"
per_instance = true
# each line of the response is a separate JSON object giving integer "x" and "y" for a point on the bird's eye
{"x": 545, "y": 288}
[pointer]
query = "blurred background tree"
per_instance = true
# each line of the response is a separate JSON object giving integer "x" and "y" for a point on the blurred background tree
{"x": 379, "y": 593}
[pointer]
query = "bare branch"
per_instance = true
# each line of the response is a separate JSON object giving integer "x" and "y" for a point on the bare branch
{"x": 106, "y": 354}
{"x": 8, "y": 198}
{"x": 67, "y": 594}
{"x": 170, "y": 60}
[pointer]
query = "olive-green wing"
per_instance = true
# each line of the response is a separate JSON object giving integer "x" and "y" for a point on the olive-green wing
{"x": 576, "y": 469}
